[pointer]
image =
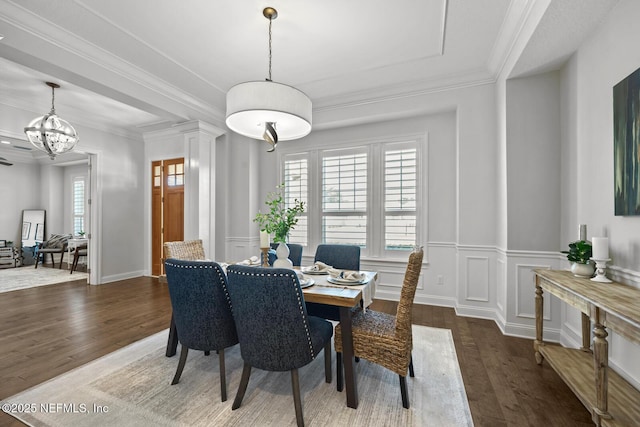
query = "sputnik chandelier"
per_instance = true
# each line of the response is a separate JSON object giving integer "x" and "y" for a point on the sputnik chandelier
{"x": 50, "y": 133}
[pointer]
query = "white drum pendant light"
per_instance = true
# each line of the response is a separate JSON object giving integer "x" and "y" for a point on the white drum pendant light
{"x": 50, "y": 133}
{"x": 268, "y": 110}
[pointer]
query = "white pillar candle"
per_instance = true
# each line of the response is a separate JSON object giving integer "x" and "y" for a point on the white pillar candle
{"x": 600, "y": 248}
{"x": 264, "y": 239}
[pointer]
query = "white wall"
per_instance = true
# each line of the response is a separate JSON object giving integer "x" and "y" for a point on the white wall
{"x": 605, "y": 59}
{"x": 559, "y": 174}
{"x": 533, "y": 163}
{"x": 18, "y": 191}
{"x": 460, "y": 132}
{"x": 119, "y": 201}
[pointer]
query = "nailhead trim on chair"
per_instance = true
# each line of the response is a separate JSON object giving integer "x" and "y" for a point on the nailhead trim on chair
{"x": 299, "y": 296}
{"x": 209, "y": 266}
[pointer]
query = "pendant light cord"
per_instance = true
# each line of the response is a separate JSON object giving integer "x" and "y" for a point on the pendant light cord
{"x": 270, "y": 21}
{"x": 53, "y": 98}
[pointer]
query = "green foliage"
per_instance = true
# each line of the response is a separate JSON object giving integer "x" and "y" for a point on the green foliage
{"x": 280, "y": 219}
{"x": 579, "y": 252}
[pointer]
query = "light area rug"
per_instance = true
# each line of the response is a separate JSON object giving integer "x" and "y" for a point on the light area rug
{"x": 12, "y": 279}
{"x": 131, "y": 387}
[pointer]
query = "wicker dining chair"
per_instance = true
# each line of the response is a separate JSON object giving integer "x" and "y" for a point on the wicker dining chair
{"x": 383, "y": 338}
{"x": 201, "y": 310}
{"x": 341, "y": 257}
{"x": 189, "y": 250}
{"x": 274, "y": 330}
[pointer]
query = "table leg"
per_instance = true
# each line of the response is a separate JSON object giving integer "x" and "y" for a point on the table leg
{"x": 586, "y": 333}
{"x": 601, "y": 367}
{"x": 537, "y": 343}
{"x": 172, "y": 342}
{"x": 351, "y": 383}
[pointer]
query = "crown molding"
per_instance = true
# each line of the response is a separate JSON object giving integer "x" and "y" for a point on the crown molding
{"x": 159, "y": 93}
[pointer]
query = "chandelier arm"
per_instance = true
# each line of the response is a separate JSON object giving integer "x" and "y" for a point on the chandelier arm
{"x": 43, "y": 134}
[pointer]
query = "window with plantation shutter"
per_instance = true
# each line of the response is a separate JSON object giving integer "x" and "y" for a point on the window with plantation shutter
{"x": 400, "y": 190}
{"x": 296, "y": 182}
{"x": 344, "y": 198}
{"x": 367, "y": 194}
{"x": 78, "y": 205}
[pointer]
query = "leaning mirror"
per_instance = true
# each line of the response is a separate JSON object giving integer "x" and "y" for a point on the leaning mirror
{"x": 33, "y": 223}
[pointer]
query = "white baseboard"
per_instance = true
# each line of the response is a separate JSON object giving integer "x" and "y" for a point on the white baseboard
{"x": 120, "y": 276}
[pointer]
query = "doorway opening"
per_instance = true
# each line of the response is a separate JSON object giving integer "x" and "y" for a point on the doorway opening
{"x": 167, "y": 208}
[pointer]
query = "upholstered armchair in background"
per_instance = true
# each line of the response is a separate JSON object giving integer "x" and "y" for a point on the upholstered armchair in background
{"x": 57, "y": 244}
{"x": 201, "y": 311}
{"x": 274, "y": 330}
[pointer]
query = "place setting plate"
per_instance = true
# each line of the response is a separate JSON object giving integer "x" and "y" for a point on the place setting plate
{"x": 347, "y": 282}
{"x": 309, "y": 270}
{"x": 305, "y": 283}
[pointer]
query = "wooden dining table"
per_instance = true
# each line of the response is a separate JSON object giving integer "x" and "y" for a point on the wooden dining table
{"x": 343, "y": 296}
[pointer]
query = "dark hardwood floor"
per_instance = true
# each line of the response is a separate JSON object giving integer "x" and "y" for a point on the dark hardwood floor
{"x": 46, "y": 331}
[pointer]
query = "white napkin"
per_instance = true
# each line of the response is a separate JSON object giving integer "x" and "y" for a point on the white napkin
{"x": 254, "y": 260}
{"x": 319, "y": 267}
{"x": 349, "y": 276}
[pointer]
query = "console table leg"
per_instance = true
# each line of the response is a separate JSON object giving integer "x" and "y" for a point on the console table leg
{"x": 601, "y": 366}
{"x": 586, "y": 336}
{"x": 538, "y": 341}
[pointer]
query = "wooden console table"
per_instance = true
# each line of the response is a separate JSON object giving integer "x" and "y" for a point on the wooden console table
{"x": 611, "y": 400}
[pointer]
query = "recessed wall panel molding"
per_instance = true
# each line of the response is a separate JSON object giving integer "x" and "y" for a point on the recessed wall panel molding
{"x": 526, "y": 292}
{"x": 501, "y": 286}
{"x": 477, "y": 278}
{"x": 239, "y": 248}
{"x": 624, "y": 275}
{"x": 393, "y": 279}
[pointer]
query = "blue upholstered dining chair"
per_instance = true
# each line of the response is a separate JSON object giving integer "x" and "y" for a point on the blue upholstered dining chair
{"x": 295, "y": 253}
{"x": 274, "y": 330}
{"x": 201, "y": 311}
{"x": 342, "y": 257}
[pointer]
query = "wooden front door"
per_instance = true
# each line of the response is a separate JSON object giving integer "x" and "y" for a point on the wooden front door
{"x": 167, "y": 208}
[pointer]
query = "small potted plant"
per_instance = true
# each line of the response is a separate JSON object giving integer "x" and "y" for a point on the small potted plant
{"x": 579, "y": 254}
{"x": 279, "y": 220}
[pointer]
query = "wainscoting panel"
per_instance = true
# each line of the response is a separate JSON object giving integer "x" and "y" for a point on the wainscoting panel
{"x": 477, "y": 278}
{"x": 239, "y": 248}
{"x": 501, "y": 285}
{"x": 525, "y": 293}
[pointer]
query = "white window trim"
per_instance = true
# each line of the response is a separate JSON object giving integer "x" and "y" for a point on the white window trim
{"x": 74, "y": 179}
{"x": 375, "y": 247}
